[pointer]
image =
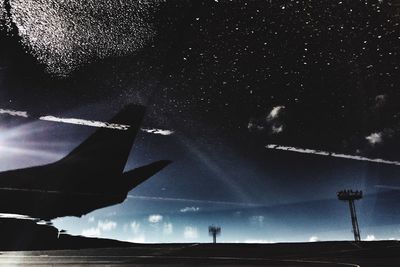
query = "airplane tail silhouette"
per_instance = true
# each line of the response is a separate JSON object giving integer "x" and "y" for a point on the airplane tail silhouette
{"x": 107, "y": 150}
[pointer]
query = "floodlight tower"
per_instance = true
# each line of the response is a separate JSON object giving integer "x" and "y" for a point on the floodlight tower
{"x": 214, "y": 231}
{"x": 350, "y": 196}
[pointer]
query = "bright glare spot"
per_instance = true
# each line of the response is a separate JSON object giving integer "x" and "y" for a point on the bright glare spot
{"x": 190, "y": 232}
{"x": 370, "y": 238}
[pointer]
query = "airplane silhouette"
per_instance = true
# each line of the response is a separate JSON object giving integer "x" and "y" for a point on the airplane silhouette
{"x": 90, "y": 177}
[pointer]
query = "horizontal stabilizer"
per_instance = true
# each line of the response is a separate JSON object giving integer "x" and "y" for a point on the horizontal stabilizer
{"x": 139, "y": 175}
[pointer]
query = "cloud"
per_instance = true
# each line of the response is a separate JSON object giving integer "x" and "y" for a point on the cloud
{"x": 374, "y": 138}
{"x": 135, "y": 226}
{"x": 256, "y": 125}
{"x": 273, "y": 123}
{"x": 258, "y": 220}
{"x": 370, "y": 238}
{"x": 380, "y": 101}
{"x": 313, "y": 239}
{"x": 155, "y": 218}
{"x": 168, "y": 228}
{"x": 329, "y": 154}
{"x": 158, "y": 131}
{"x": 91, "y": 232}
{"x": 380, "y": 137}
{"x": 84, "y": 122}
{"x": 14, "y": 112}
{"x": 275, "y": 112}
{"x": 190, "y": 209}
{"x": 111, "y": 214}
{"x": 106, "y": 225}
{"x": 197, "y": 201}
{"x": 277, "y": 129}
{"x": 102, "y": 226}
{"x": 190, "y": 232}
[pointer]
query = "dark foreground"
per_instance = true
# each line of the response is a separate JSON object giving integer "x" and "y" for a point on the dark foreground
{"x": 27, "y": 243}
{"x": 365, "y": 254}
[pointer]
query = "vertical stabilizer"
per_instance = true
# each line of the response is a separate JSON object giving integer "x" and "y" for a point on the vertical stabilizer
{"x": 107, "y": 150}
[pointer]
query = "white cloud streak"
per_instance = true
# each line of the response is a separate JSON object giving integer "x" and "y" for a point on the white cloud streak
{"x": 14, "y": 112}
{"x": 16, "y": 216}
{"x": 214, "y": 202}
{"x": 189, "y": 209}
{"x": 157, "y": 131}
{"x": 330, "y": 154}
{"x": 86, "y": 122}
{"x": 90, "y": 123}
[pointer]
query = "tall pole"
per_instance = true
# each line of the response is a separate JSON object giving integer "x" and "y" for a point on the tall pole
{"x": 354, "y": 222}
{"x": 350, "y": 196}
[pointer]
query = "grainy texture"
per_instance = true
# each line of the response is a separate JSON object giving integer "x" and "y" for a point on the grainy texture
{"x": 66, "y": 34}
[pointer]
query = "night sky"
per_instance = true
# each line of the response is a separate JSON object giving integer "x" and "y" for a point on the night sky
{"x": 229, "y": 78}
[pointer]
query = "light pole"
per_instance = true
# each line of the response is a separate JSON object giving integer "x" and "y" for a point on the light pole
{"x": 350, "y": 196}
{"x": 214, "y": 231}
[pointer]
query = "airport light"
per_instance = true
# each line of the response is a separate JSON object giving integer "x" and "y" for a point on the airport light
{"x": 351, "y": 196}
{"x": 61, "y": 232}
{"x": 214, "y": 231}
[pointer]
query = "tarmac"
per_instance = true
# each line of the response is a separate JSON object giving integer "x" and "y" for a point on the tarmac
{"x": 344, "y": 253}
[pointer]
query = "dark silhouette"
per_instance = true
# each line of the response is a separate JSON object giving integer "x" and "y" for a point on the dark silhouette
{"x": 350, "y": 196}
{"x": 25, "y": 234}
{"x": 214, "y": 231}
{"x": 88, "y": 178}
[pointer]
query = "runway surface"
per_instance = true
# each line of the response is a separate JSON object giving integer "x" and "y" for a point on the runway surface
{"x": 335, "y": 254}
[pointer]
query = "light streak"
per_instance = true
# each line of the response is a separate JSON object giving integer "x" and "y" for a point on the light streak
{"x": 330, "y": 154}
{"x": 91, "y": 123}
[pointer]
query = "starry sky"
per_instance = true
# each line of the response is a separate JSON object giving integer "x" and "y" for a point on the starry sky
{"x": 228, "y": 77}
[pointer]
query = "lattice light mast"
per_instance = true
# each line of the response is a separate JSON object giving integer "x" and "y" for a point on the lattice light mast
{"x": 350, "y": 196}
{"x": 214, "y": 231}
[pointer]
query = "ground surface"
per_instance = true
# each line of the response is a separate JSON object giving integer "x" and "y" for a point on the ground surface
{"x": 365, "y": 254}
